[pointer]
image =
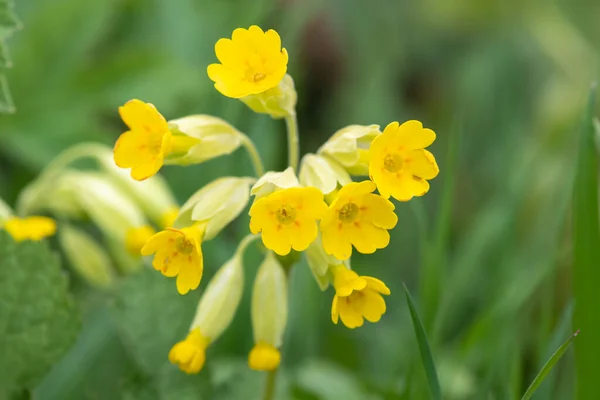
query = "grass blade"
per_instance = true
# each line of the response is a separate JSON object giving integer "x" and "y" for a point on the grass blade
{"x": 548, "y": 367}
{"x": 426, "y": 357}
{"x": 586, "y": 258}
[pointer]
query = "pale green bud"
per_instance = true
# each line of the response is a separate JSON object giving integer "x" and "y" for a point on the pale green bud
{"x": 5, "y": 211}
{"x": 272, "y": 181}
{"x": 198, "y": 138}
{"x": 278, "y": 102}
{"x": 350, "y": 147}
{"x": 86, "y": 256}
{"x": 54, "y": 195}
{"x": 323, "y": 173}
{"x": 269, "y": 302}
{"x": 319, "y": 262}
{"x": 152, "y": 195}
{"x": 219, "y": 203}
{"x": 220, "y": 300}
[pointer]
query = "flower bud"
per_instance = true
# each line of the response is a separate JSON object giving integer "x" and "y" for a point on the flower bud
{"x": 269, "y": 314}
{"x": 272, "y": 181}
{"x": 350, "y": 147}
{"x": 198, "y": 138}
{"x": 319, "y": 263}
{"x": 322, "y": 173}
{"x": 86, "y": 256}
{"x": 278, "y": 102}
{"x": 5, "y": 211}
{"x": 217, "y": 203}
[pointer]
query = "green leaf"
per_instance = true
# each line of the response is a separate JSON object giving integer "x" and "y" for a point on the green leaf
{"x": 329, "y": 381}
{"x": 586, "y": 259}
{"x": 152, "y": 317}
{"x": 38, "y": 318}
{"x": 7, "y": 106}
{"x": 548, "y": 367}
{"x": 426, "y": 357}
{"x": 8, "y": 24}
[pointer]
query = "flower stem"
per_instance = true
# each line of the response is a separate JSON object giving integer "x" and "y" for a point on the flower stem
{"x": 257, "y": 163}
{"x": 270, "y": 385}
{"x": 293, "y": 142}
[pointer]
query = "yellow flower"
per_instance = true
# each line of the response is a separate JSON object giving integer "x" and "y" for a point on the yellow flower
{"x": 168, "y": 217}
{"x": 190, "y": 354}
{"x": 357, "y": 217}
{"x": 356, "y": 297}
{"x": 136, "y": 238}
{"x": 178, "y": 253}
{"x": 264, "y": 357}
{"x": 252, "y": 61}
{"x": 30, "y": 228}
{"x": 287, "y": 218}
{"x": 400, "y": 165}
{"x": 144, "y": 146}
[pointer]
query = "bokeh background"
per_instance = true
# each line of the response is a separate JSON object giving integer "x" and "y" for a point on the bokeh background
{"x": 486, "y": 253}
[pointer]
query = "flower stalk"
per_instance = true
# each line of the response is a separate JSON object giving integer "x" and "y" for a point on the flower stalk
{"x": 291, "y": 123}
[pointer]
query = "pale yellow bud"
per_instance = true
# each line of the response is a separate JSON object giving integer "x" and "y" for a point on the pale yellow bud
{"x": 198, "y": 138}
{"x": 322, "y": 173}
{"x": 269, "y": 302}
{"x": 319, "y": 262}
{"x": 350, "y": 147}
{"x": 278, "y": 102}
{"x": 217, "y": 203}
{"x": 220, "y": 300}
{"x": 272, "y": 181}
{"x": 5, "y": 211}
{"x": 86, "y": 256}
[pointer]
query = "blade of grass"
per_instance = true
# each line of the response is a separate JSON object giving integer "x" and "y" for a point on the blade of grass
{"x": 426, "y": 357}
{"x": 548, "y": 367}
{"x": 586, "y": 258}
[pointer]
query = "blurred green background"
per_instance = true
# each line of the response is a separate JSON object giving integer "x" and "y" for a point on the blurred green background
{"x": 486, "y": 253}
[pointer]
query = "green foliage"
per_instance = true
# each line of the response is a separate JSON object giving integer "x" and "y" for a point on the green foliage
{"x": 38, "y": 318}
{"x": 8, "y": 24}
{"x": 586, "y": 258}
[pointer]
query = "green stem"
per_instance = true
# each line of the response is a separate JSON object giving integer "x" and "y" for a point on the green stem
{"x": 270, "y": 385}
{"x": 244, "y": 243}
{"x": 257, "y": 163}
{"x": 293, "y": 142}
{"x": 83, "y": 150}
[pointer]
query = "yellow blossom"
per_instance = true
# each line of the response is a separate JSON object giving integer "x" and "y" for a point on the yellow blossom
{"x": 356, "y": 297}
{"x": 144, "y": 146}
{"x": 178, "y": 253}
{"x": 358, "y": 218}
{"x": 264, "y": 357}
{"x": 251, "y": 62}
{"x": 287, "y": 218}
{"x": 30, "y": 228}
{"x": 400, "y": 165}
{"x": 168, "y": 217}
{"x": 136, "y": 238}
{"x": 190, "y": 354}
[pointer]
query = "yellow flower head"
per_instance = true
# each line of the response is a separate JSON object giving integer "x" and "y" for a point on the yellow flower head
{"x": 252, "y": 61}
{"x": 30, "y": 228}
{"x": 190, "y": 353}
{"x": 400, "y": 165}
{"x": 287, "y": 218}
{"x": 356, "y": 297}
{"x": 264, "y": 357}
{"x": 168, "y": 217}
{"x": 144, "y": 146}
{"x": 357, "y": 217}
{"x": 136, "y": 238}
{"x": 178, "y": 253}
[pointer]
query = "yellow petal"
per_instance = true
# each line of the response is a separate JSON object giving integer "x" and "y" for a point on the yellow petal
{"x": 138, "y": 115}
{"x": 277, "y": 238}
{"x": 189, "y": 277}
{"x": 335, "y": 314}
{"x": 379, "y": 211}
{"x": 376, "y": 285}
{"x": 422, "y": 164}
{"x": 367, "y": 238}
{"x": 349, "y": 316}
{"x": 412, "y": 135}
{"x": 157, "y": 241}
{"x": 372, "y": 306}
{"x": 335, "y": 241}
{"x": 305, "y": 232}
{"x": 264, "y": 357}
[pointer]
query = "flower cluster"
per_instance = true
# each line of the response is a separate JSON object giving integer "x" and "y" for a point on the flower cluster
{"x": 313, "y": 206}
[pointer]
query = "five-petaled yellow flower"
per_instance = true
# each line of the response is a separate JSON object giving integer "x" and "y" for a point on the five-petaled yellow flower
{"x": 400, "y": 165}
{"x": 30, "y": 228}
{"x": 287, "y": 218}
{"x": 144, "y": 146}
{"x": 178, "y": 253}
{"x": 190, "y": 353}
{"x": 356, "y": 297}
{"x": 357, "y": 217}
{"x": 252, "y": 62}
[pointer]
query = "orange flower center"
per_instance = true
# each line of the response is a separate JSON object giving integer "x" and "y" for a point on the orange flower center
{"x": 348, "y": 213}
{"x": 286, "y": 214}
{"x": 184, "y": 245}
{"x": 258, "y": 76}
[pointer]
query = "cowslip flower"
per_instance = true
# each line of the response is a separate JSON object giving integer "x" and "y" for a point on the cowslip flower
{"x": 136, "y": 238}
{"x": 30, "y": 228}
{"x": 358, "y": 218}
{"x": 356, "y": 297}
{"x": 144, "y": 146}
{"x": 178, "y": 253}
{"x": 399, "y": 163}
{"x": 190, "y": 354}
{"x": 287, "y": 218}
{"x": 251, "y": 62}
